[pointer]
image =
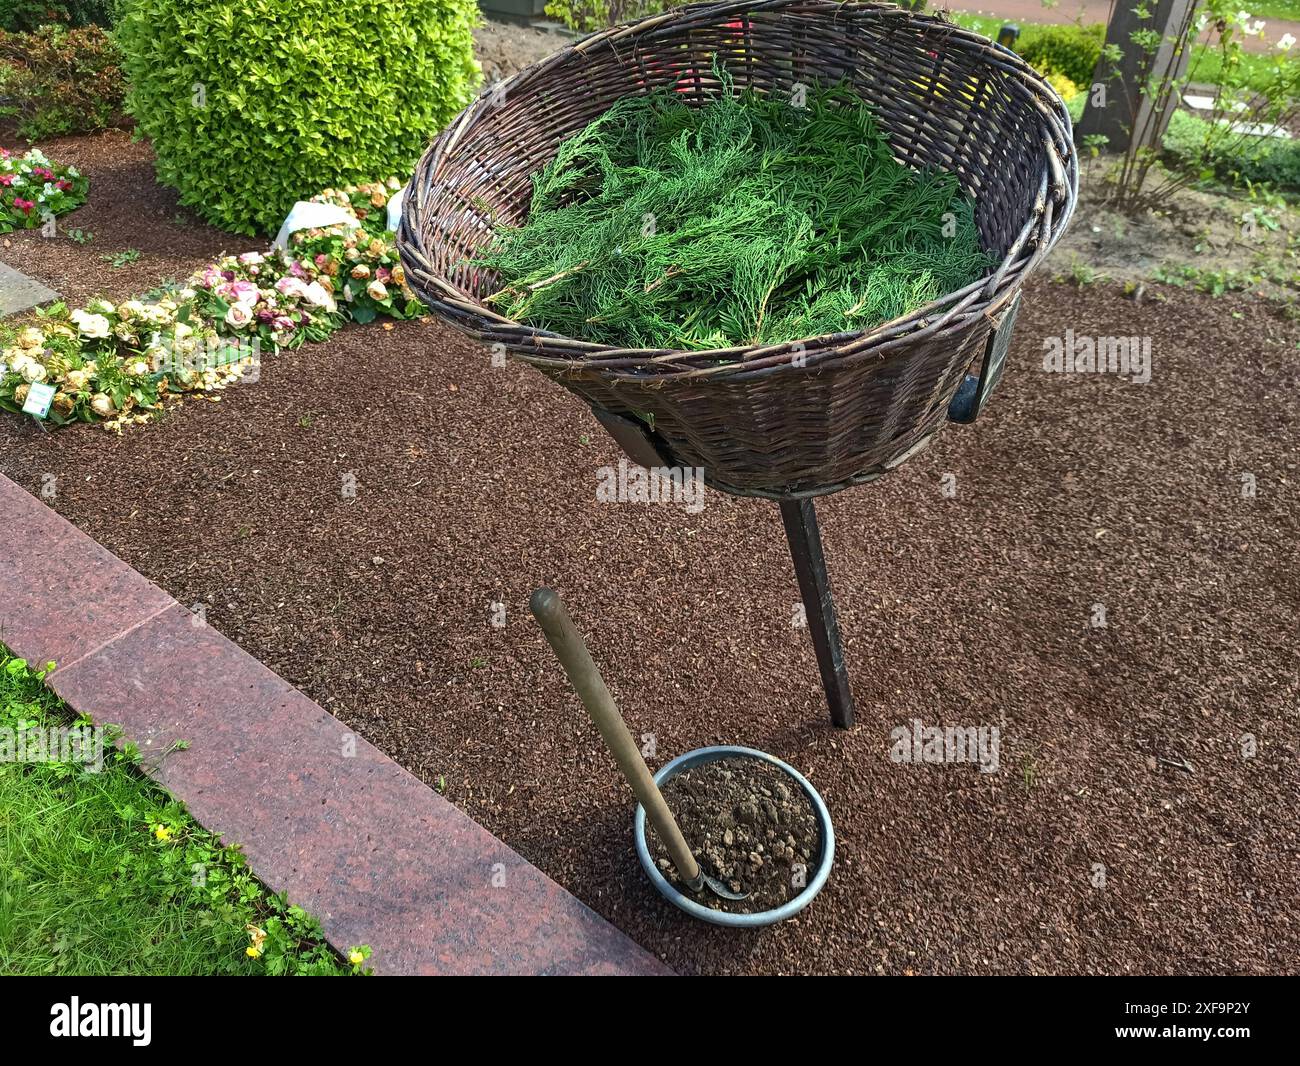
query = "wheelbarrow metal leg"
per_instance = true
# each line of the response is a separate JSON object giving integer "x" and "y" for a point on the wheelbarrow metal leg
{"x": 800, "y": 519}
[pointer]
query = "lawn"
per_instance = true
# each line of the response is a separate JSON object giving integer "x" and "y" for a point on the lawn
{"x": 1206, "y": 63}
{"x": 104, "y": 873}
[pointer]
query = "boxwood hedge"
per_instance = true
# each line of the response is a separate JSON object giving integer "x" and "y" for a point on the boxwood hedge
{"x": 253, "y": 104}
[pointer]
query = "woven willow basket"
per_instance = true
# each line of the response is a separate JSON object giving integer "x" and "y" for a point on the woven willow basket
{"x": 796, "y": 419}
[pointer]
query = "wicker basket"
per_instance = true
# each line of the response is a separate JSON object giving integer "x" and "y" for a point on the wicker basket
{"x": 789, "y": 420}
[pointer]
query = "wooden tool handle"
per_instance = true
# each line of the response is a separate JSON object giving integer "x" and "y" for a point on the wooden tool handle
{"x": 585, "y": 677}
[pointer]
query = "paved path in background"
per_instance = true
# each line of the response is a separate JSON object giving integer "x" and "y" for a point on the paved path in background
{"x": 1099, "y": 11}
{"x": 18, "y": 292}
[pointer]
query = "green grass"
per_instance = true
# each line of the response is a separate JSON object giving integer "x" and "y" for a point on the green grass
{"x": 1253, "y": 73}
{"x": 103, "y": 873}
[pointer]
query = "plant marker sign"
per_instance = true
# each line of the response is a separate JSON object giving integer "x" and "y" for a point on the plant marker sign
{"x": 974, "y": 392}
{"x": 39, "y": 398}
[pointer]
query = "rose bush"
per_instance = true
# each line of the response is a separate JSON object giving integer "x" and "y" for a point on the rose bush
{"x": 119, "y": 364}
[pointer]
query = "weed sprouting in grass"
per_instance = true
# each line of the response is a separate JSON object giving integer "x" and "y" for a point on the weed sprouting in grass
{"x": 118, "y": 260}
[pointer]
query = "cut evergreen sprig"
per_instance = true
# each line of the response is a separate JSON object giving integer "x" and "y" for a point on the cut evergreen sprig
{"x": 745, "y": 221}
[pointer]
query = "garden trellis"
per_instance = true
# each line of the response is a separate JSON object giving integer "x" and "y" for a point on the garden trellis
{"x": 797, "y": 418}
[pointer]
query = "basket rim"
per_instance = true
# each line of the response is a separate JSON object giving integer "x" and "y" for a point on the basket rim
{"x": 987, "y": 296}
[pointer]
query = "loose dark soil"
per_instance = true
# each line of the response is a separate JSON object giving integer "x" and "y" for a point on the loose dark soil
{"x": 966, "y": 582}
{"x": 748, "y": 824}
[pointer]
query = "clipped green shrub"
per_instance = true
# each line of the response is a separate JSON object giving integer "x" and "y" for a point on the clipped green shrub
{"x": 61, "y": 81}
{"x": 1266, "y": 160}
{"x": 1071, "y": 50}
{"x": 253, "y": 104}
{"x": 586, "y": 16}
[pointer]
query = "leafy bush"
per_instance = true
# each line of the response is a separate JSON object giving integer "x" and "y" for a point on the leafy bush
{"x": 586, "y": 16}
{"x": 253, "y": 104}
{"x": 1267, "y": 160}
{"x": 1071, "y": 50}
{"x": 22, "y": 16}
{"x": 62, "y": 81}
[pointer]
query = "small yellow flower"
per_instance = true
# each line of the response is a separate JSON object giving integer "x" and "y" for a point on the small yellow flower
{"x": 163, "y": 833}
{"x": 356, "y": 958}
{"x": 252, "y": 952}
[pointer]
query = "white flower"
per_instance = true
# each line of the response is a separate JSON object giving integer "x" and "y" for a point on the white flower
{"x": 131, "y": 309}
{"x": 102, "y": 404}
{"x": 182, "y": 330}
{"x": 252, "y": 258}
{"x": 239, "y": 315}
{"x": 95, "y": 327}
{"x": 101, "y": 307}
{"x": 33, "y": 371}
{"x": 1256, "y": 29}
{"x": 138, "y": 369}
{"x": 1286, "y": 42}
{"x": 318, "y": 296}
{"x": 19, "y": 362}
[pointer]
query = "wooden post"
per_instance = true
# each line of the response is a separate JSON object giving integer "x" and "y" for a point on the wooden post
{"x": 1117, "y": 107}
{"x": 805, "y": 539}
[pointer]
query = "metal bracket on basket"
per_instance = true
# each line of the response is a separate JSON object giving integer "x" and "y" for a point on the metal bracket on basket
{"x": 974, "y": 392}
{"x": 642, "y": 445}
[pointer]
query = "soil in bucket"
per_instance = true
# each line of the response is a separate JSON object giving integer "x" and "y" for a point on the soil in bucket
{"x": 749, "y": 825}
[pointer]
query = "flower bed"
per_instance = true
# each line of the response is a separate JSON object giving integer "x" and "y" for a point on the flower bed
{"x": 32, "y": 189}
{"x": 119, "y": 364}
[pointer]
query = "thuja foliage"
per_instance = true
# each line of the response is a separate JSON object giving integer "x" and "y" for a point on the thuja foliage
{"x": 745, "y": 221}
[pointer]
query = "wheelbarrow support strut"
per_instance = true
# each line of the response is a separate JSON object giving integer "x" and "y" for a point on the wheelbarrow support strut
{"x": 805, "y": 539}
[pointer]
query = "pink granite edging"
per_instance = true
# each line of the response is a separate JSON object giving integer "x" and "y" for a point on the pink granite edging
{"x": 321, "y": 814}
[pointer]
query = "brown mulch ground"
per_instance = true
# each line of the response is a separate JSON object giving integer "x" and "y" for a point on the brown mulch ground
{"x": 127, "y": 211}
{"x": 478, "y": 484}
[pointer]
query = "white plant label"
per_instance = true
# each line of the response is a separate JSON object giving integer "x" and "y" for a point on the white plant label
{"x": 305, "y": 215}
{"x": 39, "y": 397}
{"x": 395, "y": 210}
